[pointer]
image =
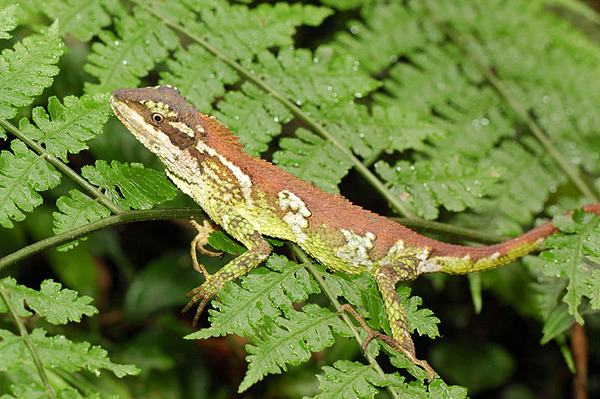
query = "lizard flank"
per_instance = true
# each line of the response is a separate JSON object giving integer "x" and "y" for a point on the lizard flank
{"x": 252, "y": 198}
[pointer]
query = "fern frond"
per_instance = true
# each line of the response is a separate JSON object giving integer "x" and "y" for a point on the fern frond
{"x": 404, "y": 33}
{"x": 83, "y": 18}
{"x": 262, "y": 294}
{"x": 201, "y": 85}
{"x": 291, "y": 341}
{"x": 318, "y": 78}
{"x": 77, "y": 210}
{"x": 22, "y": 175}
{"x": 255, "y": 114}
{"x": 326, "y": 167}
{"x": 249, "y": 31}
{"x": 349, "y": 380}
{"x": 450, "y": 182}
{"x": 57, "y": 352}
{"x": 28, "y": 69}
{"x": 575, "y": 257}
{"x": 522, "y": 192}
{"x": 8, "y": 20}
{"x": 58, "y": 305}
{"x": 131, "y": 186}
{"x": 121, "y": 60}
{"x": 67, "y": 127}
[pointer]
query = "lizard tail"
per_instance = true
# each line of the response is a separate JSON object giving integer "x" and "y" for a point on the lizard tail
{"x": 457, "y": 259}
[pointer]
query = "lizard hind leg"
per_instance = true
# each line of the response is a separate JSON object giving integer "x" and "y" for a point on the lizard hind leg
{"x": 401, "y": 340}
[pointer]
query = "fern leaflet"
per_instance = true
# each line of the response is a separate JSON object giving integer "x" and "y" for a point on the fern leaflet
{"x": 83, "y": 18}
{"x": 349, "y": 380}
{"x": 27, "y": 70}
{"x": 291, "y": 341}
{"x": 57, "y": 305}
{"x": 262, "y": 295}
{"x": 57, "y": 352}
{"x": 451, "y": 182}
{"x": 8, "y": 21}
{"x": 120, "y": 61}
{"x": 575, "y": 257}
{"x": 22, "y": 175}
{"x": 72, "y": 124}
{"x": 131, "y": 186}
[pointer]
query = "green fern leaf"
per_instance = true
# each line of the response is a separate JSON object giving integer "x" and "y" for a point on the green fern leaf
{"x": 255, "y": 116}
{"x": 422, "y": 320}
{"x": 57, "y": 352}
{"x": 450, "y": 182}
{"x": 8, "y": 20}
{"x": 76, "y": 211}
{"x": 262, "y": 294}
{"x": 249, "y": 31}
{"x": 119, "y": 61}
{"x": 199, "y": 75}
{"x": 83, "y": 18}
{"x": 520, "y": 194}
{"x": 569, "y": 257}
{"x": 291, "y": 341}
{"x": 319, "y": 78}
{"x": 22, "y": 175}
{"x": 220, "y": 241}
{"x": 327, "y": 165}
{"x": 28, "y": 69}
{"x": 73, "y": 123}
{"x": 130, "y": 186}
{"x": 58, "y": 305}
{"x": 361, "y": 292}
{"x": 389, "y": 29}
{"x": 349, "y": 380}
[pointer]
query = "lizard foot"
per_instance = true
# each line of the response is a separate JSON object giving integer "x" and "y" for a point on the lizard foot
{"x": 198, "y": 244}
{"x": 391, "y": 342}
{"x": 201, "y": 294}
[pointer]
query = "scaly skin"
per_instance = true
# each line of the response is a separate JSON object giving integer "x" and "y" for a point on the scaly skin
{"x": 251, "y": 198}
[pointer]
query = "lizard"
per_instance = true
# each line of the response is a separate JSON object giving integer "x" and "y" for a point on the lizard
{"x": 252, "y": 198}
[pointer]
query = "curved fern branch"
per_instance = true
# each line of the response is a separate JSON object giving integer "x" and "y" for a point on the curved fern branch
{"x": 121, "y": 218}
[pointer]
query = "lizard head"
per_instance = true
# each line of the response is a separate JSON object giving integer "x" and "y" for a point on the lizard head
{"x": 163, "y": 121}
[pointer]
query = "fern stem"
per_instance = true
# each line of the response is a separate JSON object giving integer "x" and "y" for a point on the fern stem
{"x": 297, "y": 111}
{"x": 332, "y": 298}
{"x": 60, "y": 165}
{"x": 28, "y": 342}
{"x": 466, "y": 44}
{"x": 121, "y": 218}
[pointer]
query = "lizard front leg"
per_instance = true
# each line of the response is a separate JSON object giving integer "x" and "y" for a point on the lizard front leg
{"x": 258, "y": 250}
{"x": 387, "y": 278}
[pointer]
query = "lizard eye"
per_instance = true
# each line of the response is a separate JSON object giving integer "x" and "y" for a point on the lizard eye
{"x": 157, "y": 118}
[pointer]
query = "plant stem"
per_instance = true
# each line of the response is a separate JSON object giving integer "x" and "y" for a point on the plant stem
{"x": 336, "y": 304}
{"x": 121, "y": 218}
{"x": 5, "y": 295}
{"x": 60, "y": 165}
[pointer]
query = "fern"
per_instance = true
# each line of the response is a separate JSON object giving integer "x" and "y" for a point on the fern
{"x": 27, "y": 69}
{"x": 479, "y": 113}
{"x": 23, "y": 175}
{"x": 72, "y": 124}
{"x": 120, "y": 60}
{"x": 567, "y": 258}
